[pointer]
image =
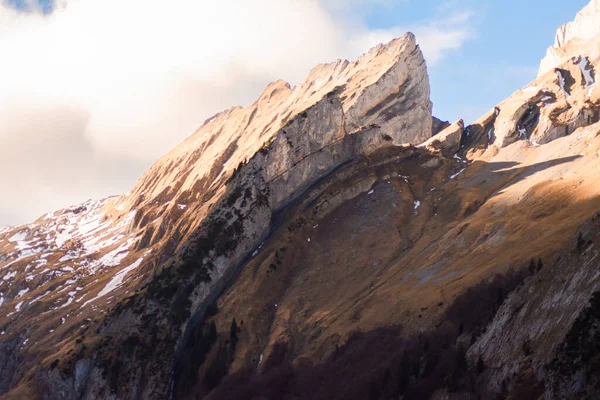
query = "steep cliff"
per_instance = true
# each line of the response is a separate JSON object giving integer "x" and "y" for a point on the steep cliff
{"x": 572, "y": 36}
{"x": 187, "y": 226}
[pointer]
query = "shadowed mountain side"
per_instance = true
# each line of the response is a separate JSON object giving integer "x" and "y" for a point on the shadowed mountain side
{"x": 397, "y": 254}
{"x": 386, "y": 362}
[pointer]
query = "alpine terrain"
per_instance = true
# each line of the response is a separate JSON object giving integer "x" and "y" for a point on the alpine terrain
{"x": 332, "y": 240}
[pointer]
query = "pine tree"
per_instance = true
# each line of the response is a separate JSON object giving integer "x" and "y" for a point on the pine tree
{"x": 233, "y": 333}
{"x": 212, "y": 332}
{"x": 480, "y": 365}
{"x": 580, "y": 242}
{"x": 532, "y": 267}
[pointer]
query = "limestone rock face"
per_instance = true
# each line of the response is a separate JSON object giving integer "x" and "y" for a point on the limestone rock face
{"x": 188, "y": 225}
{"x": 584, "y": 28}
{"x": 552, "y": 106}
{"x": 448, "y": 140}
{"x": 564, "y": 96}
{"x": 387, "y": 87}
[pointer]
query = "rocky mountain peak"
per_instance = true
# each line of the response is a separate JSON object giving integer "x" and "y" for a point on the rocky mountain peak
{"x": 373, "y": 90}
{"x": 178, "y": 238}
{"x": 573, "y": 36}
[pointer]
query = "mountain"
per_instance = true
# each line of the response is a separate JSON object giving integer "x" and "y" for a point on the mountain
{"x": 573, "y": 37}
{"x": 332, "y": 240}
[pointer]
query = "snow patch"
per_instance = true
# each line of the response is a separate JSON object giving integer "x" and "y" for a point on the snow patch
{"x": 561, "y": 82}
{"x": 534, "y": 143}
{"x": 70, "y": 299}
{"x": 9, "y": 275}
{"x": 583, "y": 134}
{"x": 40, "y": 296}
{"x": 18, "y": 237}
{"x": 530, "y": 89}
{"x": 457, "y": 174}
{"x": 583, "y": 64}
{"x": 116, "y": 281}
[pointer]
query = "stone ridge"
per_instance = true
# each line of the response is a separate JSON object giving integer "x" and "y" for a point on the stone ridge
{"x": 569, "y": 36}
{"x": 562, "y": 99}
{"x": 376, "y": 89}
{"x": 367, "y": 81}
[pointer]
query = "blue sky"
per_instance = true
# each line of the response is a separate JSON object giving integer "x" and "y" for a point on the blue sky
{"x": 46, "y": 6}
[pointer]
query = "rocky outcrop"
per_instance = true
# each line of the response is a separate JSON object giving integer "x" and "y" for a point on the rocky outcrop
{"x": 438, "y": 125}
{"x": 572, "y": 35}
{"x": 535, "y": 325}
{"x": 554, "y": 105}
{"x": 564, "y": 96}
{"x": 387, "y": 87}
{"x": 448, "y": 140}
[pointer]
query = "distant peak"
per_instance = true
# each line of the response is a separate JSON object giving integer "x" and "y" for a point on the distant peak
{"x": 573, "y": 35}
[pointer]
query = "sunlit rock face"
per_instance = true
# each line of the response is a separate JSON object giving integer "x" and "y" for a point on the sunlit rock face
{"x": 571, "y": 35}
{"x": 176, "y": 240}
{"x": 564, "y": 96}
{"x": 448, "y": 140}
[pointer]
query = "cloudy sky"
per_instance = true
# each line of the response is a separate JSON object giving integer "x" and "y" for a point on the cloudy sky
{"x": 93, "y": 91}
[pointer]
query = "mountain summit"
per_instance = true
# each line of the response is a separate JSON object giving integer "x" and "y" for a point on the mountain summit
{"x": 573, "y": 36}
{"x": 332, "y": 240}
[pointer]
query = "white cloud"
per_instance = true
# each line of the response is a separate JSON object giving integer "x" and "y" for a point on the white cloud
{"x": 436, "y": 37}
{"x": 93, "y": 93}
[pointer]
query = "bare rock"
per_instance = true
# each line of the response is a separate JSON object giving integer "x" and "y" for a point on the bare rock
{"x": 437, "y": 125}
{"x": 584, "y": 28}
{"x": 448, "y": 140}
